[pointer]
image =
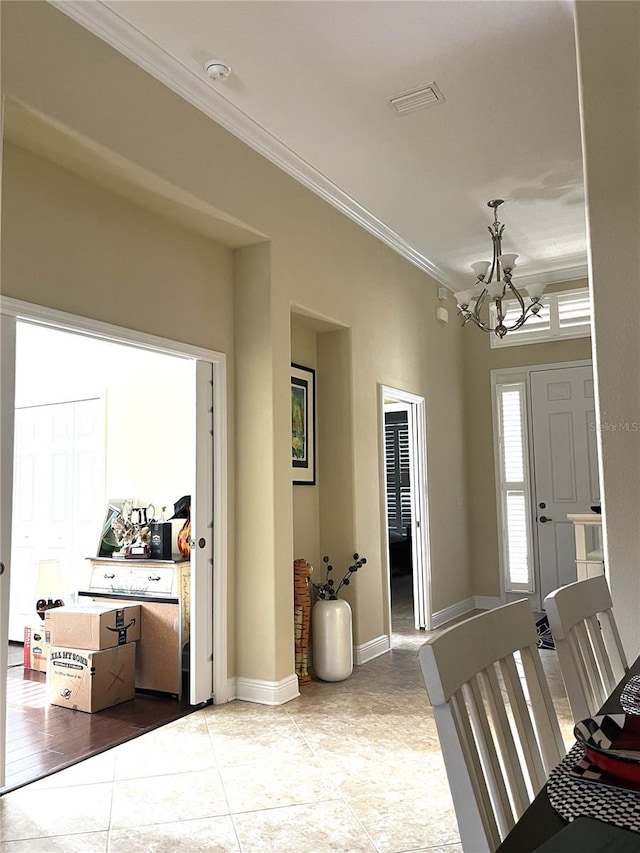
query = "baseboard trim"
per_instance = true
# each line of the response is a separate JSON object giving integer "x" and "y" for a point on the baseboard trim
{"x": 371, "y": 649}
{"x": 267, "y": 692}
{"x": 441, "y": 617}
{"x": 487, "y": 602}
{"x": 230, "y": 693}
{"x": 478, "y": 602}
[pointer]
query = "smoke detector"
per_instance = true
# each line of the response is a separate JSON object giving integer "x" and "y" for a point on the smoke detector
{"x": 217, "y": 70}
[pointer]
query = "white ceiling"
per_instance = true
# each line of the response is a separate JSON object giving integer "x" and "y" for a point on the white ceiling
{"x": 310, "y": 85}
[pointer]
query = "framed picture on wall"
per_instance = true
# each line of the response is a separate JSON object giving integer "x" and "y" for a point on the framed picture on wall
{"x": 303, "y": 425}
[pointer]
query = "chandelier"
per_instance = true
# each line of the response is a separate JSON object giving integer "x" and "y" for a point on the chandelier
{"x": 494, "y": 288}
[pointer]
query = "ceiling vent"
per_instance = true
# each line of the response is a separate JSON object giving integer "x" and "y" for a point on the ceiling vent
{"x": 417, "y": 99}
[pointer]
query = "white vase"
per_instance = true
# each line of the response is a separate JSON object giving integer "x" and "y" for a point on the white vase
{"x": 332, "y": 639}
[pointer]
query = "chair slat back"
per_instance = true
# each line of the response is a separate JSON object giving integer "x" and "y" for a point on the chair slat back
{"x": 496, "y": 722}
{"x": 506, "y": 741}
{"x": 590, "y": 652}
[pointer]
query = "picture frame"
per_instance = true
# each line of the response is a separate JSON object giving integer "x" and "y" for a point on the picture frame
{"x": 303, "y": 425}
{"x": 108, "y": 544}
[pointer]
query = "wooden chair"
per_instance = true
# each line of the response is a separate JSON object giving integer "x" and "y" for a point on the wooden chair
{"x": 497, "y": 754}
{"x": 590, "y": 653}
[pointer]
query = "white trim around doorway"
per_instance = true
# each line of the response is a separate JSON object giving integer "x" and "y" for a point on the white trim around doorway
{"x": 29, "y": 312}
{"x": 421, "y": 552}
{"x": 523, "y": 374}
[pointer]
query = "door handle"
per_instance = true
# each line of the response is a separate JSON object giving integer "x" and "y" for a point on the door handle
{"x": 543, "y": 519}
{"x": 1, "y": 568}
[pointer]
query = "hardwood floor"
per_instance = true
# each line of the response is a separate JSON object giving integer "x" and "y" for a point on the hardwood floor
{"x": 43, "y": 738}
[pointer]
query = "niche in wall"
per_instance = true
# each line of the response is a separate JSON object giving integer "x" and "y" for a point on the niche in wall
{"x": 323, "y": 513}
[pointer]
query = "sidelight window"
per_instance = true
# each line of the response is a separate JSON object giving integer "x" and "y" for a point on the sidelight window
{"x": 514, "y": 489}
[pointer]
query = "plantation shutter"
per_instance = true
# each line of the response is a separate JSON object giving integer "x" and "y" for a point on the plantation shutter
{"x": 397, "y": 468}
{"x": 574, "y": 311}
{"x": 514, "y": 488}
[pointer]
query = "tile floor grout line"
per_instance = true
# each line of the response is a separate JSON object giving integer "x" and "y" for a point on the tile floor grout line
{"x": 224, "y": 788}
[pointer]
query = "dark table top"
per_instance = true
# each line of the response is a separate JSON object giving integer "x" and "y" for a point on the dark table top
{"x": 540, "y": 821}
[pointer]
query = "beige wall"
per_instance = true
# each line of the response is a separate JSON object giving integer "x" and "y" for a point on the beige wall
{"x": 608, "y": 35}
{"x": 316, "y": 260}
{"x": 480, "y": 359}
{"x": 70, "y": 244}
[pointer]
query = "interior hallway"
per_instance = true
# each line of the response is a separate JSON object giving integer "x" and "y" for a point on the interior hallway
{"x": 351, "y": 766}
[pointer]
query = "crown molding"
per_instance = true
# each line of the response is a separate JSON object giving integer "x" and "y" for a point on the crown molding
{"x": 107, "y": 25}
{"x": 569, "y": 273}
{"x": 572, "y": 273}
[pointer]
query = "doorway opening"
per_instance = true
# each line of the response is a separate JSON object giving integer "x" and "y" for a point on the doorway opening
{"x": 139, "y": 424}
{"x": 406, "y": 515}
{"x": 546, "y": 472}
{"x": 85, "y": 433}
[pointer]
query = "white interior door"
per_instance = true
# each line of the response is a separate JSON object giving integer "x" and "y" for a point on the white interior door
{"x": 565, "y": 466}
{"x": 7, "y": 395}
{"x": 410, "y": 500}
{"x": 202, "y": 532}
{"x": 419, "y": 520}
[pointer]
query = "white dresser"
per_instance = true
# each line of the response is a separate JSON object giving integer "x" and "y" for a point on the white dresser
{"x": 161, "y": 587}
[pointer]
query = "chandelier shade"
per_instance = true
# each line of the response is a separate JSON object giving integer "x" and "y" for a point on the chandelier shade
{"x": 494, "y": 285}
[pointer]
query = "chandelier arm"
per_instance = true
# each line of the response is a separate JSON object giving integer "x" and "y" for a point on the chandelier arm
{"x": 515, "y": 291}
{"x": 524, "y": 311}
{"x": 467, "y": 316}
{"x": 522, "y": 319}
{"x": 479, "y": 324}
{"x": 475, "y": 314}
{"x": 479, "y": 303}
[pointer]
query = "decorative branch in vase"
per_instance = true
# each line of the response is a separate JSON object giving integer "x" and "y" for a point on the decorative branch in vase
{"x": 328, "y": 589}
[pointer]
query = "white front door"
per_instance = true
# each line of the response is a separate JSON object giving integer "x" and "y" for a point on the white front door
{"x": 565, "y": 466}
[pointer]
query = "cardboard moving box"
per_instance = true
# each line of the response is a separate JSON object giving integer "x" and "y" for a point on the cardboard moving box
{"x": 93, "y": 626}
{"x": 91, "y": 680}
{"x": 36, "y": 647}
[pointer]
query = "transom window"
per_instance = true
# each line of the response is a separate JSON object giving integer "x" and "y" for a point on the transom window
{"x": 564, "y": 314}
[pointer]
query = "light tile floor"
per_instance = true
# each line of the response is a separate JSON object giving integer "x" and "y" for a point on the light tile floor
{"x": 352, "y": 766}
